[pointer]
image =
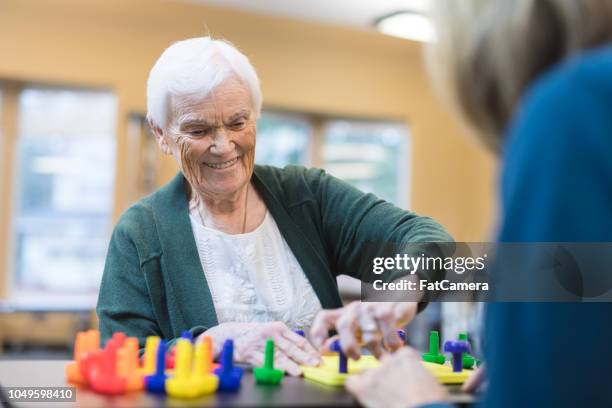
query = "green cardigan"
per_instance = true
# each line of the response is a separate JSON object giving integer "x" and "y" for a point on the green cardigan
{"x": 153, "y": 282}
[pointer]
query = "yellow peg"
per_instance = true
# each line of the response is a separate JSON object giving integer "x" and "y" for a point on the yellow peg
{"x": 127, "y": 365}
{"x": 180, "y": 385}
{"x": 203, "y": 381}
{"x": 150, "y": 356}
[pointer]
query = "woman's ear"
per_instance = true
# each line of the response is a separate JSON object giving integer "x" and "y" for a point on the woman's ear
{"x": 160, "y": 137}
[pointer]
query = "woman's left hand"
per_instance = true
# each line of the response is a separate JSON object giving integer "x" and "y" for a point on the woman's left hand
{"x": 399, "y": 381}
{"x": 373, "y": 325}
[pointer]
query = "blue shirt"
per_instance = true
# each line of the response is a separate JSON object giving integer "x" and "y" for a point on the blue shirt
{"x": 556, "y": 186}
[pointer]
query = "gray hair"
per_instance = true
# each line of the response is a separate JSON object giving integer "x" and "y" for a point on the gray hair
{"x": 489, "y": 51}
{"x": 191, "y": 69}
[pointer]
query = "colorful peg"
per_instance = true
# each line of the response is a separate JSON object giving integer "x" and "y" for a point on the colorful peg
{"x": 103, "y": 376}
{"x": 171, "y": 357}
{"x": 73, "y": 369}
{"x": 229, "y": 376}
{"x": 116, "y": 340}
{"x": 342, "y": 360}
{"x": 186, "y": 334}
{"x": 434, "y": 355}
{"x": 180, "y": 385}
{"x": 149, "y": 358}
{"x": 402, "y": 335}
{"x": 91, "y": 356}
{"x": 268, "y": 374}
{"x": 203, "y": 381}
{"x": 208, "y": 351}
{"x": 127, "y": 365}
{"x": 300, "y": 332}
{"x": 466, "y": 359}
{"x": 155, "y": 383}
{"x": 457, "y": 348}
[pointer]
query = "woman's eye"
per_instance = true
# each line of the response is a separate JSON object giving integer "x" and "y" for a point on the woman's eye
{"x": 198, "y": 132}
{"x": 238, "y": 125}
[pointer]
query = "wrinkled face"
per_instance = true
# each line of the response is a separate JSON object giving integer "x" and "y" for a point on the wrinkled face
{"x": 213, "y": 139}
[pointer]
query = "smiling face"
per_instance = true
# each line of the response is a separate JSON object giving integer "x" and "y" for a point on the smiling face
{"x": 213, "y": 139}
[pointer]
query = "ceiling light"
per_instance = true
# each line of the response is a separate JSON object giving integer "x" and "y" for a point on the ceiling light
{"x": 407, "y": 24}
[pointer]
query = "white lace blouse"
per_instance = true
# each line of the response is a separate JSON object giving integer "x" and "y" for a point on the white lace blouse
{"x": 254, "y": 277}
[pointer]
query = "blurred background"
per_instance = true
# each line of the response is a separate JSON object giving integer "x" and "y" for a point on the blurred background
{"x": 345, "y": 89}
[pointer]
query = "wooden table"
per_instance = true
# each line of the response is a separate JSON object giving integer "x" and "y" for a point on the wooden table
{"x": 292, "y": 392}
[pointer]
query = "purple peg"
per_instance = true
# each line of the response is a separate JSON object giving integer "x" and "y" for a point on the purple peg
{"x": 457, "y": 348}
{"x": 342, "y": 360}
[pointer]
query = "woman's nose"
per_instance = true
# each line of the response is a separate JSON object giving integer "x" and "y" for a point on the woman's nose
{"x": 222, "y": 143}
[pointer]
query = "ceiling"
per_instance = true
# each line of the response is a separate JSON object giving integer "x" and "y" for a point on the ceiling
{"x": 351, "y": 13}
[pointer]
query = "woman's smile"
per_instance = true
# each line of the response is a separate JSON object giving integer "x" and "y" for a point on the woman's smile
{"x": 222, "y": 165}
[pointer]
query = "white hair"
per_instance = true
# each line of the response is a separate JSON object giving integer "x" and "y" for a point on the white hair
{"x": 192, "y": 69}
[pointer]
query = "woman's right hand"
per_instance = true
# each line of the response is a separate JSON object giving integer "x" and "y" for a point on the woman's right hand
{"x": 291, "y": 349}
{"x": 401, "y": 380}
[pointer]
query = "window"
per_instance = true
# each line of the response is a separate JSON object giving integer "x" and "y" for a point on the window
{"x": 283, "y": 139}
{"x": 372, "y": 156}
{"x": 64, "y": 189}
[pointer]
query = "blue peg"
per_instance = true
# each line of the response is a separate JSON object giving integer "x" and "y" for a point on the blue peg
{"x": 156, "y": 383}
{"x": 186, "y": 334}
{"x": 342, "y": 360}
{"x": 402, "y": 335}
{"x": 229, "y": 375}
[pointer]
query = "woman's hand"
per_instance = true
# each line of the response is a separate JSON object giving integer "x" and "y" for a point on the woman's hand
{"x": 400, "y": 380}
{"x": 291, "y": 349}
{"x": 373, "y": 325}
{"x": 475, "y": 381}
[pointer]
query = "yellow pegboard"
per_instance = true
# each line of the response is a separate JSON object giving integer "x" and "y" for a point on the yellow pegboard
{"x": 328, "y": 372}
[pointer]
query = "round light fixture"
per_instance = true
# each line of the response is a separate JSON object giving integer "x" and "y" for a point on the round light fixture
{"x": 410, "y": 25}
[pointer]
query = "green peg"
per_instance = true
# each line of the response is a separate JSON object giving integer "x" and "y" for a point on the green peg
{"x": 466, "y": 359}
{"x": 434, "y": 355}
{"x": 268, "y": 374}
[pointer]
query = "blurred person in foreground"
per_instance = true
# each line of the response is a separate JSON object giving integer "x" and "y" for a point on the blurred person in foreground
{"x": 534, "y": 78}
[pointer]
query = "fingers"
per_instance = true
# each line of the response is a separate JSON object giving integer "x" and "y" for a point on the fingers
{"x": 404, "y": 312}
{"x": 387, "y": 323}
{"x": 294, "y": 352}
{"x": 303, "y": 344}
{"x": 474, "y": 381}
{"x": 281, "y": 362}
{"x": 370, "y": 332}
{"x": 323, "y": 322}
{"x": 373, "y": 325}
{"x": 326, "y": 348}
{"x": 386, "y": 385}
{"x": 347, "y": 326}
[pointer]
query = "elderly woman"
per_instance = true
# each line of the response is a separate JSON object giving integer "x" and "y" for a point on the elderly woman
{"x": 229, "y": 249}
{"x": 535, "y": 78}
